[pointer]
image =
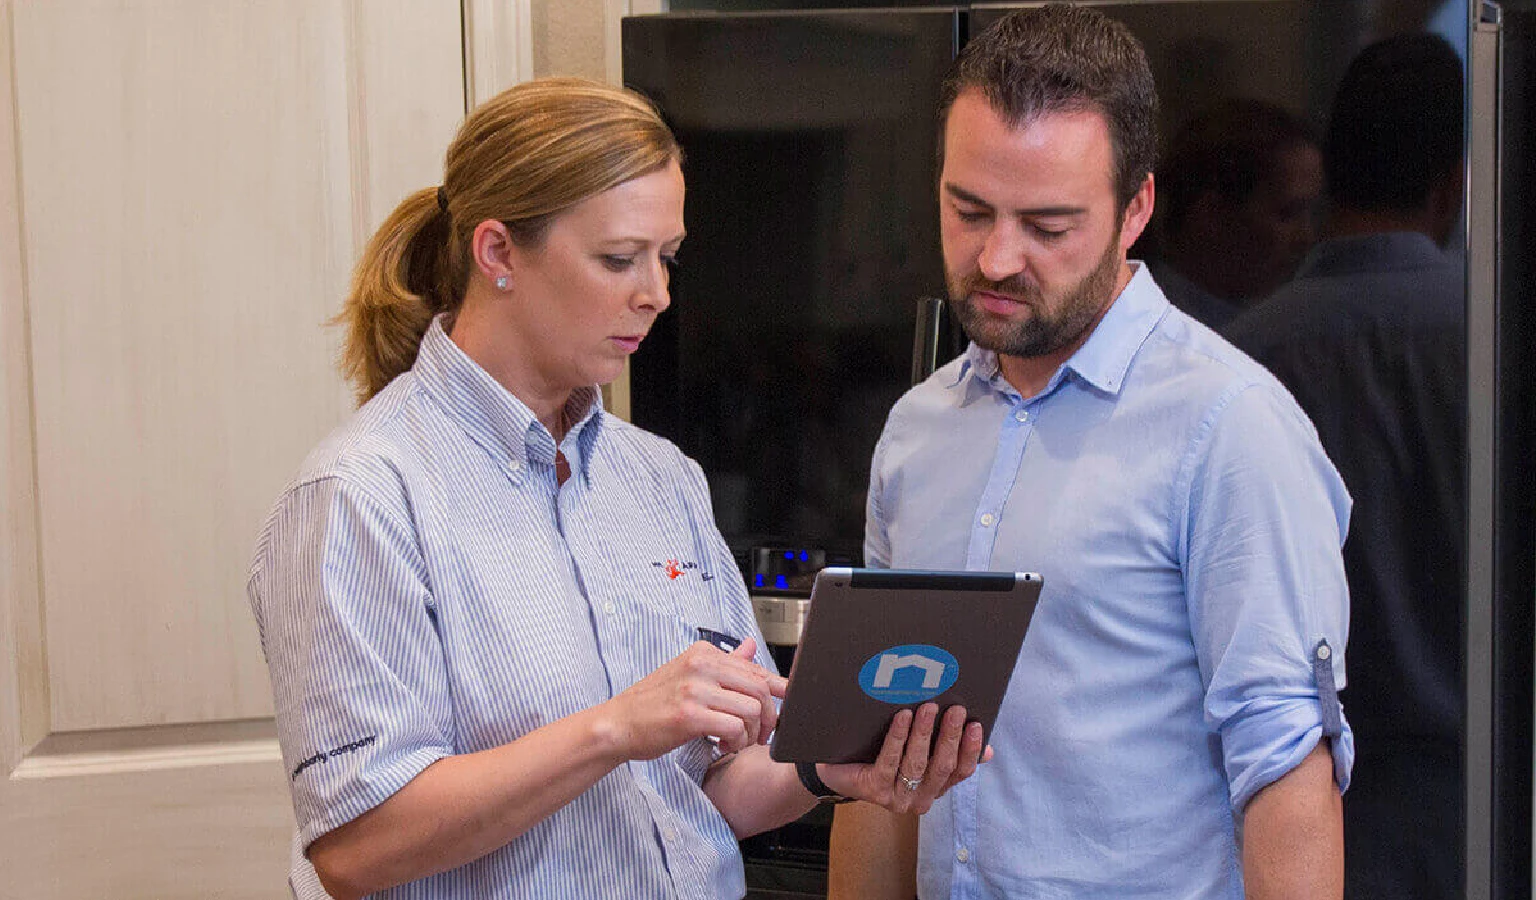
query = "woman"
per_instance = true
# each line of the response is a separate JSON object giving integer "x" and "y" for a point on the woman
{"x": 481, "y": 599}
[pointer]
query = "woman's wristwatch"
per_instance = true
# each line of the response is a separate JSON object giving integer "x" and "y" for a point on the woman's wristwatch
{"x": 817, "y": 787}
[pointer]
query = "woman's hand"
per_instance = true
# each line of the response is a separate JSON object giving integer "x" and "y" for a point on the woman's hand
{"x": 701, "y": 692}
{"x": 913, "y": 769}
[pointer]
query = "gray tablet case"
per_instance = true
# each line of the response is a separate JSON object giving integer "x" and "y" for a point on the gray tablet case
{"x": 877, "y": 641}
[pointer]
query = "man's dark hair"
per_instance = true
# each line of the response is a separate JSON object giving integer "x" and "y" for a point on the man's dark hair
{"x": 1056, "y": 59}
{"x": 1228, "y": 149}
{"x": 1396, "y": 125}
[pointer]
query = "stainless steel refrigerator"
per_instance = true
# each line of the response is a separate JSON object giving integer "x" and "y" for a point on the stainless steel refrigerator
{"x": 813, "y": 257}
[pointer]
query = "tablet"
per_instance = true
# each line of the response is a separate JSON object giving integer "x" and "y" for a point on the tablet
{"x": 877, "y": 641}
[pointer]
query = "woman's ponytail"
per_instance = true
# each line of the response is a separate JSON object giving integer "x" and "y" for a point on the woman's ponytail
{"x": 400, "y": 283}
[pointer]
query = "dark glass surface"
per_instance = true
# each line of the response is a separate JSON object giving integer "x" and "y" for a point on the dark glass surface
{"x": 813, "y": 230}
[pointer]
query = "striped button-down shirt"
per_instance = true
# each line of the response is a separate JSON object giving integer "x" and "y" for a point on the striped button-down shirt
{"x": 426, "y": 587}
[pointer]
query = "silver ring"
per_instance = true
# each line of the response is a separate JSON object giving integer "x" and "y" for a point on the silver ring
{"x": 910, "y": 784}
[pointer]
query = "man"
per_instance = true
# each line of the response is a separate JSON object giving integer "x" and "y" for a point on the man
{"x": 1172, "y": 728}
{"x": 1370, "y": 339}
{"x": 1239, "y": 189}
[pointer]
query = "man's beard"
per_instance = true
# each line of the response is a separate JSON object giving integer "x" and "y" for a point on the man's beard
{"x": 1042, "y": 333}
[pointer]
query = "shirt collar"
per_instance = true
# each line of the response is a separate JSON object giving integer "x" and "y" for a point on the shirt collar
{"x": 976, "y": 362}
{"x": 1106, "y": 356}
{"x": 495, "y": 418}
{"x": 1103, "y": 360}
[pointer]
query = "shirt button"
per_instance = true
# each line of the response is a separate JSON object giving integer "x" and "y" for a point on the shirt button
{"x": 609, "y": 608}
{"x": 670, "y": 835}
{"x": 987, "y": 519}
{"x": 1022, "y": 415}
{"x": 962, "y": 854}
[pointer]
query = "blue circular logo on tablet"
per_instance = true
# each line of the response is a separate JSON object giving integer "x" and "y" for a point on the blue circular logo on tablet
{"x": 910, "y": 673}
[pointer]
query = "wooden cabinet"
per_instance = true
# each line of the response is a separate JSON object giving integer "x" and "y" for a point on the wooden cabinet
{"x": 183, "y": 187}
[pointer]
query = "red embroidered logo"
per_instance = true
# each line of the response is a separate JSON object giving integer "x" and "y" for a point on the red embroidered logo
{"x": 675, "y": 569}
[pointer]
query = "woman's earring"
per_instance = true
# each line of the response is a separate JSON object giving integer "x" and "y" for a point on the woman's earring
{"x": 501, "y": 283}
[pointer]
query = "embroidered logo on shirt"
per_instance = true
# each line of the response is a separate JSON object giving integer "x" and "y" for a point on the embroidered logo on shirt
{"x": 675, "y": 569}
{"x": 334, "y": 752}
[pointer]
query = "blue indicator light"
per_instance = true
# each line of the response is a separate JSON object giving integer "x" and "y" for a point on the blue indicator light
{"x": 805, "y": 557}
{"x": 781, "y": 582}
{"x": 759, "y": 580}
{"x": 789, "y": 554}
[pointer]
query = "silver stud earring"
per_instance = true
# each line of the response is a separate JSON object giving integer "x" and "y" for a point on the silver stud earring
{"x": 501, "y": 283}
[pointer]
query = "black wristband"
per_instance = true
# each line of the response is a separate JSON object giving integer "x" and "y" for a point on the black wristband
{"x": 817, "y": 787}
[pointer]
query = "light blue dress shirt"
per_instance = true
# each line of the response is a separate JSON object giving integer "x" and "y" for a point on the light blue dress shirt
{"x": 425, "y": 587}
{"x": 1189, "y": 640}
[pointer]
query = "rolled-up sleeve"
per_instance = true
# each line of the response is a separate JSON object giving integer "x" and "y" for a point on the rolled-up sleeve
{"x": 1269, "y": 605}
{"x": 339, "y": 591}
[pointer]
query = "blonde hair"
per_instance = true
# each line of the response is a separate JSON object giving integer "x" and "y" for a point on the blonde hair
{"x": 522, "y": 157}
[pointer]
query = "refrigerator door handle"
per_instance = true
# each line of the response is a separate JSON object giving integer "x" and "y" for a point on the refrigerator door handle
{"x": 1482, "y": 168}
{"x": 925, "y": 338}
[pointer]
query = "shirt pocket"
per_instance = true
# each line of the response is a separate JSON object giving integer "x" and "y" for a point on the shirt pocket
{"x": 661, "y": 628}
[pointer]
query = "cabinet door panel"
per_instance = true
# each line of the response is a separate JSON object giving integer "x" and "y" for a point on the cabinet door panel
{"x": 186, "y": 185}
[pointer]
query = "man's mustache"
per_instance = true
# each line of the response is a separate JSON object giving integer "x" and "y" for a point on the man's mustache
{"x": 1013, "y": 286}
